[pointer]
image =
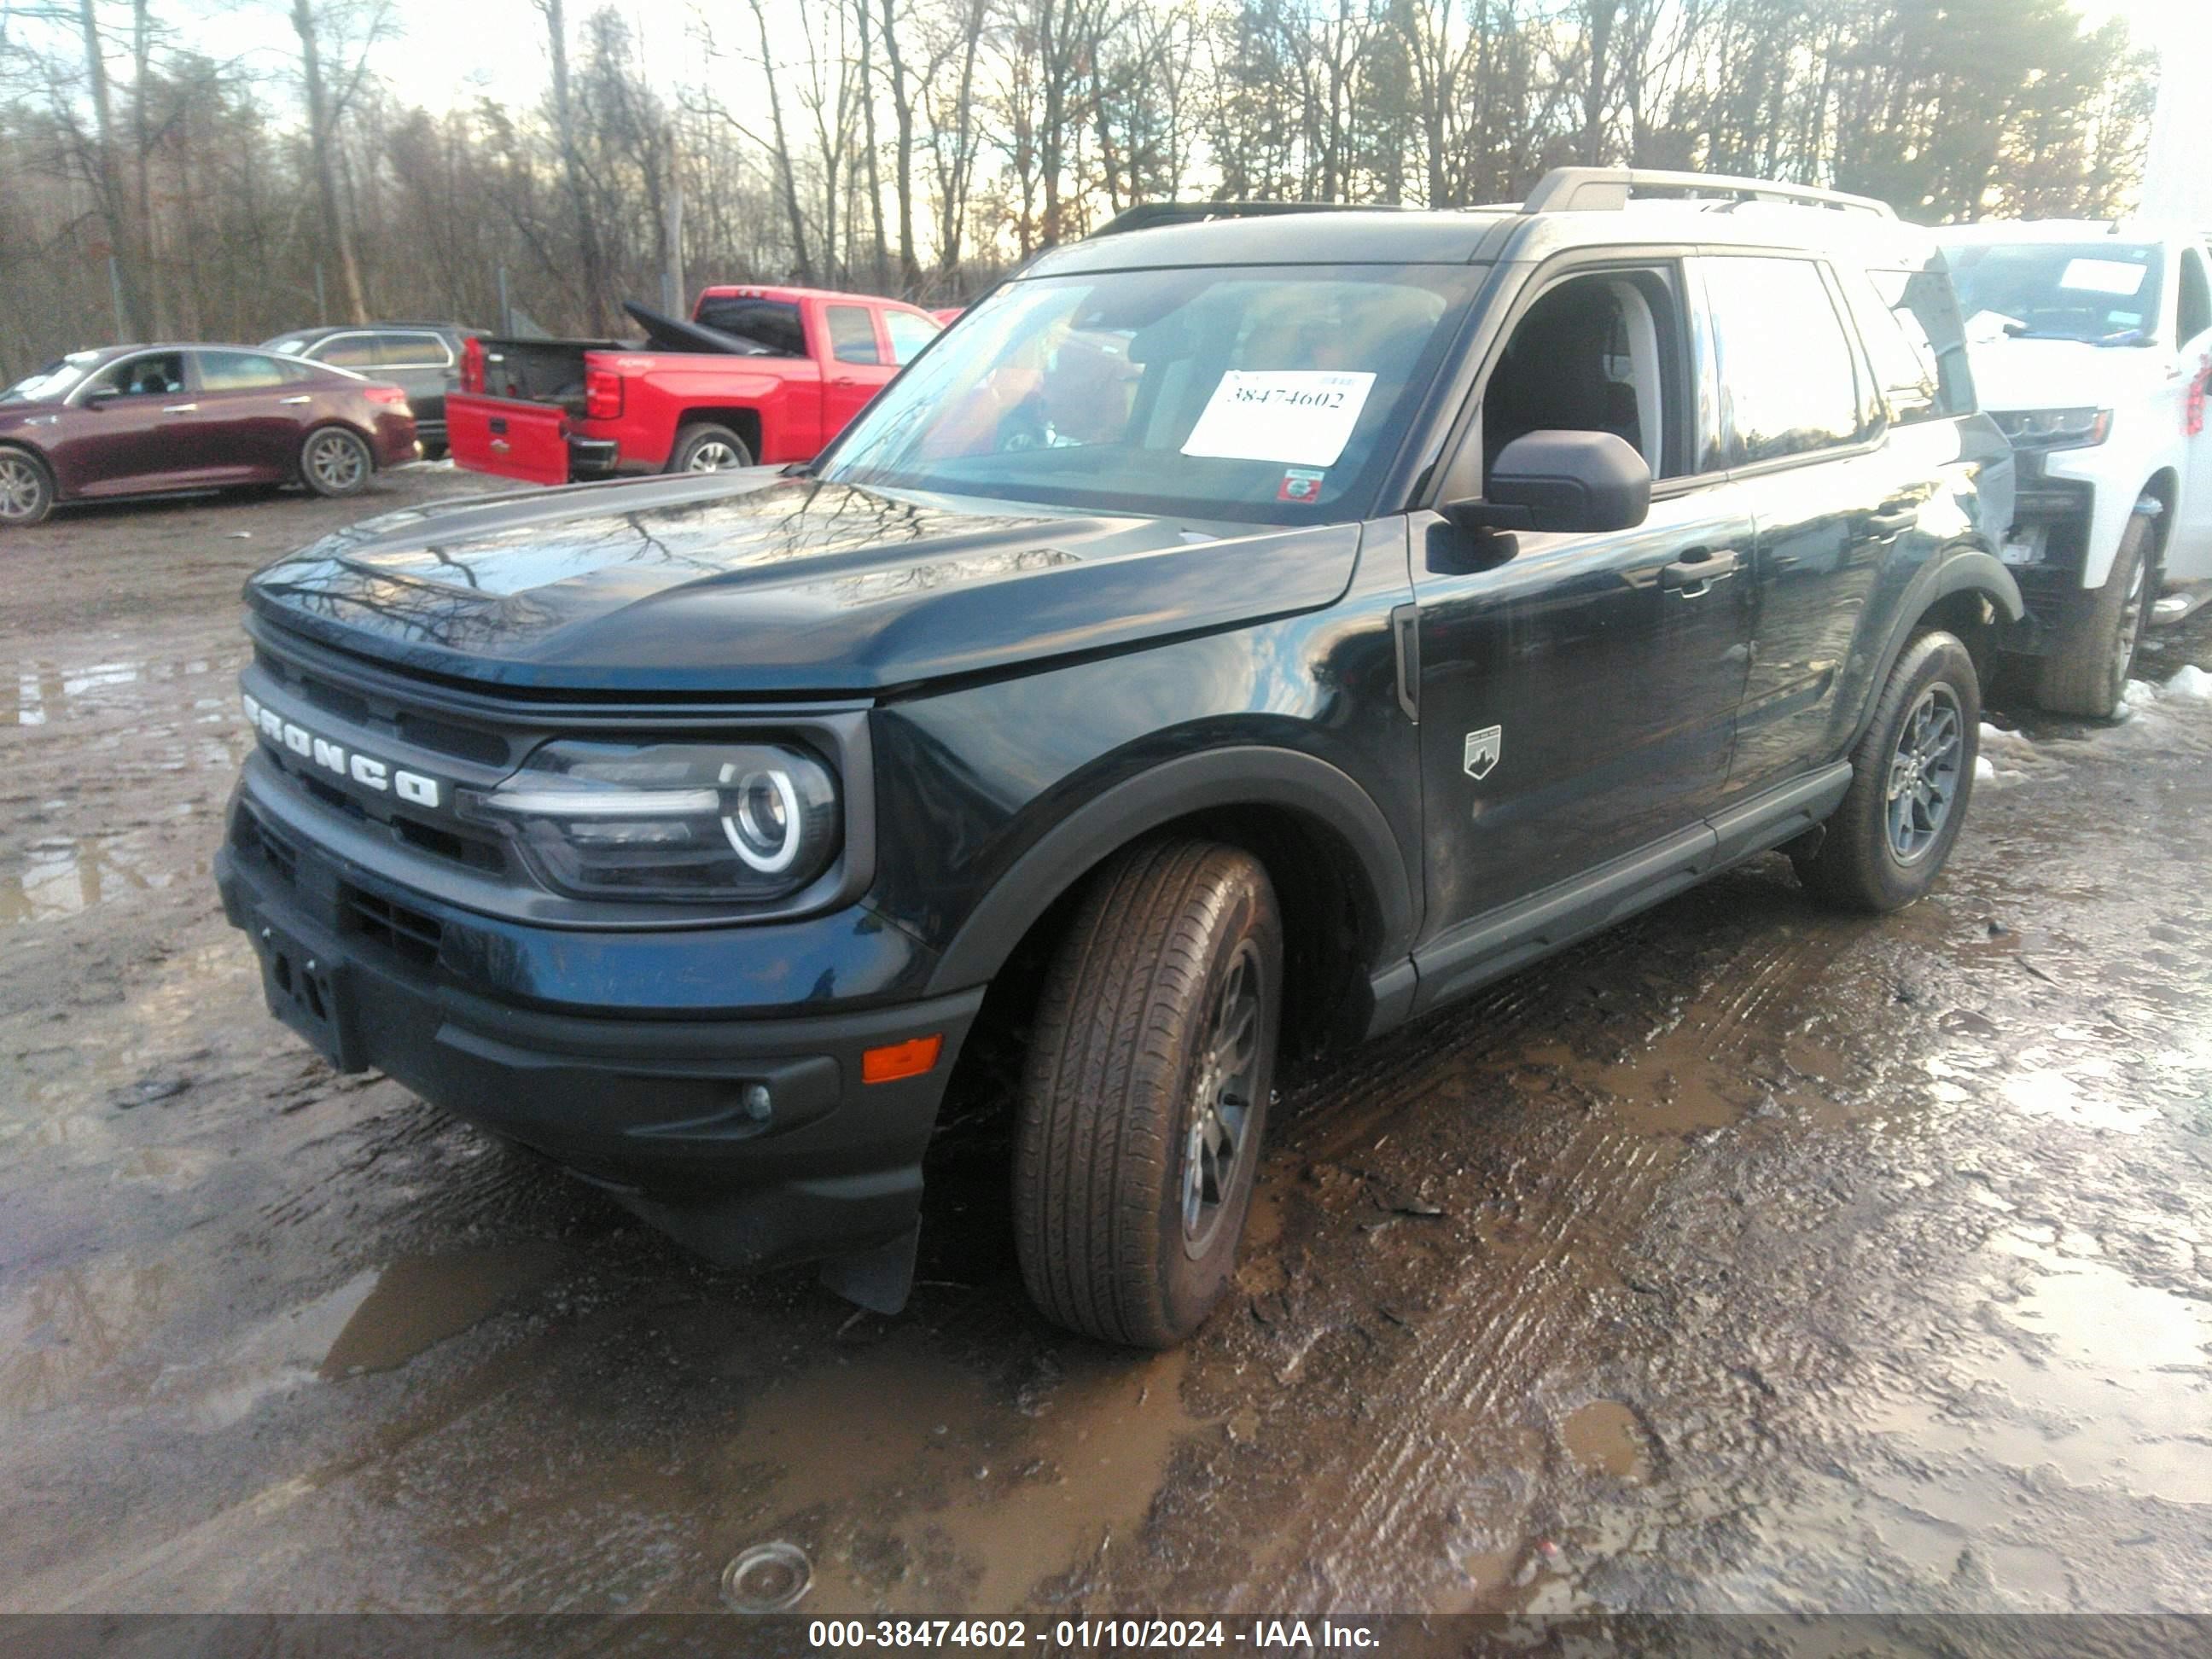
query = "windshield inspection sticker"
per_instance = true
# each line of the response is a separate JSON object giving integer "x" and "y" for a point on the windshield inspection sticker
{"x": 1298, "y": 418}
{"x": 1300, "y": 484}
{"x": 2102, "y": 277}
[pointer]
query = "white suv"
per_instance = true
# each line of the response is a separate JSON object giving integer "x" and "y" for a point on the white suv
{"x": 2091, "y": 343}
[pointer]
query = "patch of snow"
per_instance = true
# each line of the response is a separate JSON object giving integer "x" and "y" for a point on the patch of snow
{"x": 2191, "y": 684}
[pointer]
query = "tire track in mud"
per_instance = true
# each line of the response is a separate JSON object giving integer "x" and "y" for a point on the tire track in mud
{"x": 1710, "y": 1008}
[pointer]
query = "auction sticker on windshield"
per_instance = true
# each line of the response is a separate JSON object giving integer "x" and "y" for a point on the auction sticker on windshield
{"x": 1297, "y": 417}
{"x": 2102, "y": 277}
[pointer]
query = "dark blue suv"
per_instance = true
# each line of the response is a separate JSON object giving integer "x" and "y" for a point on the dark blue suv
{"x": 1245, "y": 628}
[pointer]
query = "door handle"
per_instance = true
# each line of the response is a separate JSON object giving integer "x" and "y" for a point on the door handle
{"x": 178, "y": 409}
{"x": 846, "y": 380}
{"x": 295, "y": 400}
{"x": 1694, "y": 571}
{"x": 1894, "y": 517}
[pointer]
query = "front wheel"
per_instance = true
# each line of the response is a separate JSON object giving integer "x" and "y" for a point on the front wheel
{"x": 26, "y": 488}
{"x": 706, "y": 447}
{"x": 1146, "y": 1093}
{"x": 1912, "y": 774}
{"x": 2093, "y": 650}
{"x": 336, "y": 462}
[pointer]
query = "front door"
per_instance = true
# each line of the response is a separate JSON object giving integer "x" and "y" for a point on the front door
{"x": 859, "y": 365}
{"x": 1578, "y": 699}
{"x": 121, "y": 431}
{"x": 2189, "y": 550}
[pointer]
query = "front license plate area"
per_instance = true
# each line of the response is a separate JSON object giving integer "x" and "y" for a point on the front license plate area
{"x": 2026, "y": 546}
{"x": 307, "y": 987}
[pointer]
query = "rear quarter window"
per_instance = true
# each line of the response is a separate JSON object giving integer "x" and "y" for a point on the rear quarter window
{"x": 774, "y": 324}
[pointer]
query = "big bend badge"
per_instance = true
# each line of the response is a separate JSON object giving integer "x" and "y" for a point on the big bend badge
{"x": 1482, "y": 751}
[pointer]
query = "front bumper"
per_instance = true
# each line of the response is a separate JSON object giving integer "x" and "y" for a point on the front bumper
{"x": 2052, "y": 517}
{"x": 657, "y": 1106}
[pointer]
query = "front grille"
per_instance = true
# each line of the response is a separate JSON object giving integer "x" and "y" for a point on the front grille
{"x": 404, "y": 931}
{"x": 382, "y": 715}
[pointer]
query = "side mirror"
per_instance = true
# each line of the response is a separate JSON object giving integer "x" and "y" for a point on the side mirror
{"x": 1578, "y": 483}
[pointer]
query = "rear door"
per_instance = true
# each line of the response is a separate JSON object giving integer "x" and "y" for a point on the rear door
{"x": 2189, "y": 552}
{"x": 1803, "y": 433}
{"x": 856, "y": 362}
{"x": 1578, "y": 693}
{"x": 250, "y": 418}
{"x": 419, "y": 363}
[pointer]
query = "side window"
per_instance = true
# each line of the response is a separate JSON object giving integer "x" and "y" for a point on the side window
{"x": 2195, "y": 296}
{"x": 238, "y": 371}
{"x": 908, "y": 332}
{"x": 1788, "y": 374}
{"x": 1598, "y": 353}
{"x": 1906, "y": 370}
{"x": 411, "y": 351}
{"x": 157, "y": 374}
{"x": 773, "y": 324}
{"x": 852, "y": 334}
{"x": 349, "y": 351}
{"x": 1925, "y": 309}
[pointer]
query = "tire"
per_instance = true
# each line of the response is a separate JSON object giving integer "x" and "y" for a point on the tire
{"x": 335, "y": 461}
{"x": 1878, "y": 853}
{"x": 1164, "y": 1001}
{"x": 2093, "y": 651}
{"x": 707, "y": 448}
{"x": 26, "y": 488}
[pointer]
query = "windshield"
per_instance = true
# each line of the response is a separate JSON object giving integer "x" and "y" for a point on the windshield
{"x": 1271, "y": 394}
{"x": 2104, "y": 293}
{"x": 53, "y": 382}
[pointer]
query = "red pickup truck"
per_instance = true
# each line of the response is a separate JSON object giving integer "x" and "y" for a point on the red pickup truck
{"x": 757, "y": 375}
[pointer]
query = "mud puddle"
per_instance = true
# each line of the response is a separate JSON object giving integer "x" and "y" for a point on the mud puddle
{"x": 944, "y": 1493}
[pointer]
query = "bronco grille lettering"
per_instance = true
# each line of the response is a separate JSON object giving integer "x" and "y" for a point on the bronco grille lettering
{"x": 335, "y": 758}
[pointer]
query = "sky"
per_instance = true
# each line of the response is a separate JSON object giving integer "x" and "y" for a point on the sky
{"x": 453, "y": 53}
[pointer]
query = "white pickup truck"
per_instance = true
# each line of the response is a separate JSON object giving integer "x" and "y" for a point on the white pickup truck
{"x": 2091, "y": 343}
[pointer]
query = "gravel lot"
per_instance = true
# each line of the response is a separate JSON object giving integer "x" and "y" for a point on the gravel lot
{"x": 1745, "y": 1258}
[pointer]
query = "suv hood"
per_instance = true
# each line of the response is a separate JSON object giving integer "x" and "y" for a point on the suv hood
{"x": 761, "y": 583}
{"x": 2015, "y": 373}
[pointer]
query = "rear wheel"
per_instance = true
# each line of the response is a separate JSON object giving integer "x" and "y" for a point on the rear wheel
{"x": 1146, "y": 1094}
{"x": 707, "y": 448}
{"x": 26, "y": 488}
{"x": 2093, "y": 650}
{"x": 1912, "y": 774}
{"x": 334, "y": 461}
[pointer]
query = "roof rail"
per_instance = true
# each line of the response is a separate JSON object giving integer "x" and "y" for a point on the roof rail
{"x": 1607, "y": 190}
{"x": 1148, "y": 216}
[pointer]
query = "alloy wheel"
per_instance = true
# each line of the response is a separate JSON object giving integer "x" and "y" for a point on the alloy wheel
{"x": 712, "y": 456}
{"x": 1923, "y": 773}
{"x": 2129, "y": 634}
{"x": 1217, "y": 1148}
{"x": 22, "y": 488}
{"x": 336, "y": 460}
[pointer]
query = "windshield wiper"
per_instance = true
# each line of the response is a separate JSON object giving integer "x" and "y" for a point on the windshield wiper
{"x": 2124, "y": 337}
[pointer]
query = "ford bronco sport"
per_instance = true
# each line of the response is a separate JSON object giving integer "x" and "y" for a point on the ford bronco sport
{"x": 1272, "y": 625}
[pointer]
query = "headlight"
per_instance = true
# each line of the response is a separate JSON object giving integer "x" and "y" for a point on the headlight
{"x": 2056, "y": 429}
{"x": 675, "y": 821}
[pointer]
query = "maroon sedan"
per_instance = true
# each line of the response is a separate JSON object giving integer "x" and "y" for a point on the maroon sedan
{"x": 131, "y": 420}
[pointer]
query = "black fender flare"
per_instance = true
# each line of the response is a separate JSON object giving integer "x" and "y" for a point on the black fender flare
{"x": 1242, "y": 775}
{"x": 1959, "y": 571}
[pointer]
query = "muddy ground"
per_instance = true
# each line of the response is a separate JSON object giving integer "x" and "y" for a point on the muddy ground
{"x": 1746, "y": 1258}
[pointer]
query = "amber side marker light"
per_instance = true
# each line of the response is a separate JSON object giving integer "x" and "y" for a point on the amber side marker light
{"x": 897, "y": 1060}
